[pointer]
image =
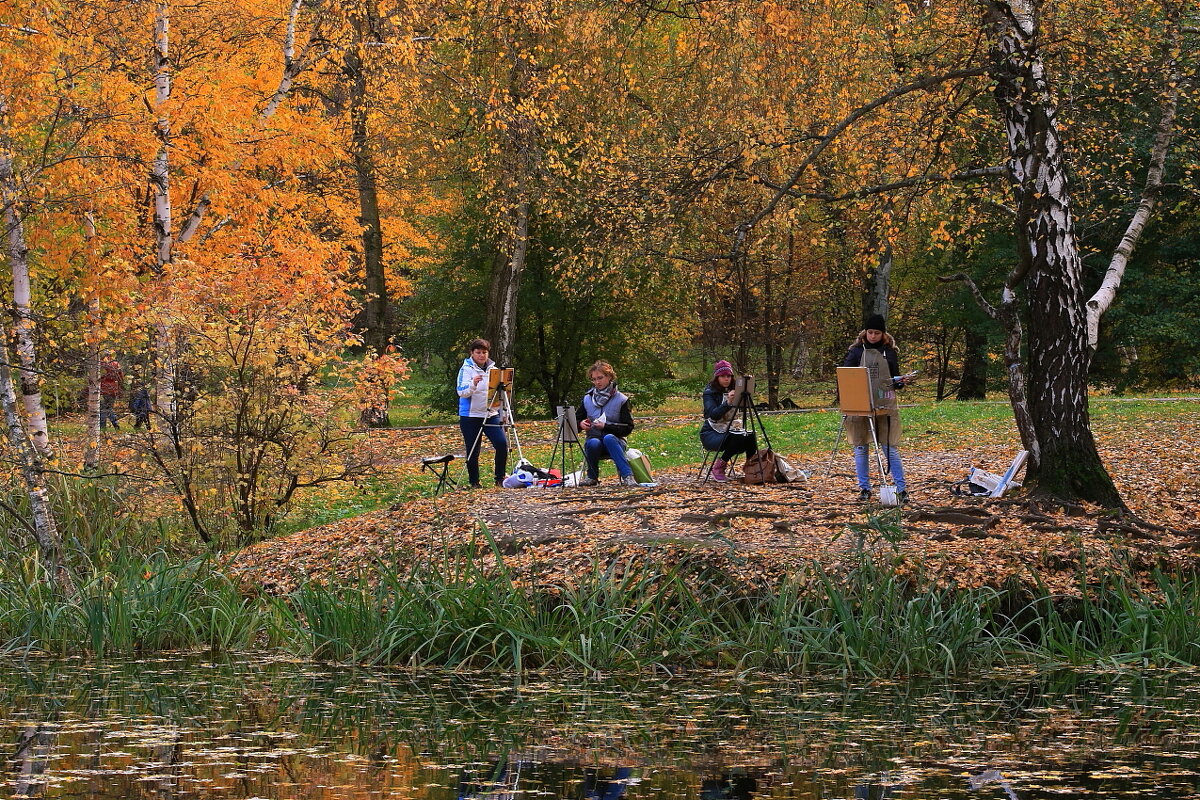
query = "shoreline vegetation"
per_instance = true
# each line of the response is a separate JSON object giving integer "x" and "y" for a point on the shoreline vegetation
{"x": 453, "y": 614}
{"x": 468, "y": 603}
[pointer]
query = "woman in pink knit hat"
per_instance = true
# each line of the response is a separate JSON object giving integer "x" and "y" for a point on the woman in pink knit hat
{"x": 722, "y": 432}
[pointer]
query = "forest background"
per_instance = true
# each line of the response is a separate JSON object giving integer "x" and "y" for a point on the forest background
{"x": 272, "y": 213}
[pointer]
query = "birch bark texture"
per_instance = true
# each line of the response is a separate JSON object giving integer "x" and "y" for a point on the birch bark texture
{"x": 1066, "y": 462}
{"x": 32, "y": 470}
{"x": 160, "y": 183}
{"x": 24, "y": 322}
{"x": 93, "y": 337}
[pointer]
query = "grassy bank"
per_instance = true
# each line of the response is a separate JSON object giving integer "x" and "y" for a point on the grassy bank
{"x": 451, "y": 614}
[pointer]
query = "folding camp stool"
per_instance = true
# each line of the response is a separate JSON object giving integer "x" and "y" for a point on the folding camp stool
{"x": 440, "y": 467}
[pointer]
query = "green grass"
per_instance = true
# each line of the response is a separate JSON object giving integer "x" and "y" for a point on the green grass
{"x": 673, "y": 442}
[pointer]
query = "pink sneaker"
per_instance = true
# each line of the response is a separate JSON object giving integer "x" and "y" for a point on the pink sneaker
{"x": 717, "y": 473}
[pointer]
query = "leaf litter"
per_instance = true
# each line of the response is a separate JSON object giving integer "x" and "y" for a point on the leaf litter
{"x": 760, "y": 535}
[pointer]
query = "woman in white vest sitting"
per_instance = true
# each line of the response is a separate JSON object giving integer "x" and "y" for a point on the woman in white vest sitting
{"x": 722, "y": 431}
{"x": 605, "y": 418}
{"x": 875, "y": 349}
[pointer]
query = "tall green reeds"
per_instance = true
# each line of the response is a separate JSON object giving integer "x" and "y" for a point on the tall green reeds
{"x": 461, "y": 611}
{"x": 131, "y": 595}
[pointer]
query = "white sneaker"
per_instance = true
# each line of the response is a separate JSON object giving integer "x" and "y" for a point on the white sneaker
{"x": 628, "y": 480}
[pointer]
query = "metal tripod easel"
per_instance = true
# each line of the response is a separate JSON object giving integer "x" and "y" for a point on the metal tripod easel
{"x": 566, "y": 436}
{"x": 858, "y": 400}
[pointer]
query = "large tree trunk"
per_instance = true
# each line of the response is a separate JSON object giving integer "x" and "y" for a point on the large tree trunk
{"x": 506, "y": 279}
{"x": 973, "y": 385}
{"x": 877, "y": 284}
{"x": 1068, "y": 466}
{"x": 374, "y": 319}
{"x": 24, "y": 325}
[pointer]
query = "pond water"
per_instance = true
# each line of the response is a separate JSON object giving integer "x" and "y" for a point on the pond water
{"x": 191, "y": 728}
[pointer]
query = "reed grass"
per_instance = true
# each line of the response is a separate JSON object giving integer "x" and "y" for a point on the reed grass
{"x": 460, "y": 611}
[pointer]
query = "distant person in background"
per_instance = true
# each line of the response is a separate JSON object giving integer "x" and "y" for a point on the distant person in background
{"x": 112, "y": 381}
{"x": 875, "y": 349}
{"x": 475, "y": 418}
{"x": 140, "y": 407}
{"x": 722, "y": 429}
{"x": 605, "y": 417}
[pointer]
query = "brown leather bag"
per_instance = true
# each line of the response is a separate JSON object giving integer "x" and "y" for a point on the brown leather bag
{"x": 759, "y": 468}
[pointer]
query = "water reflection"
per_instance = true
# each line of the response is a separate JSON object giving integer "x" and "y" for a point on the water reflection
{"x": 992, "y": 776}
{"x": 597, "y": 785}
{"x": 737, "y": 784}
{"x": 280, "y": 729}
{"x": 30, "y": 759}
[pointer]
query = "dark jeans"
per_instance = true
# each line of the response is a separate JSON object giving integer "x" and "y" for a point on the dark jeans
{"x": 737, "y": 443}
{"x": 494, "y": 431}
{"x": 107, "y": 414}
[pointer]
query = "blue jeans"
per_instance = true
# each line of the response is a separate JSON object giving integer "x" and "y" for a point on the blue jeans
{"x": 862, "y": 466}
{"x": 596, "y": 448}
{"x": 470, "y": 427}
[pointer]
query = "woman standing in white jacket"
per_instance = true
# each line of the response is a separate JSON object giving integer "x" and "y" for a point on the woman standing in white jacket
{"x": 475, "y": 417}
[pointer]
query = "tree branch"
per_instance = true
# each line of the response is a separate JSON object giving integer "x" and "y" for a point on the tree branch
{"x": 1102, "y": 300}
{"x": 916, "y": 180}
{"x": 963, "y": 277}
{"x": 781, "y": 192}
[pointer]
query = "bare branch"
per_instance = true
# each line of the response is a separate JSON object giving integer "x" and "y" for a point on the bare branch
{"x": 916, "y": 180}
{"x": 916, "y": 86}
{"x": 1102, "y": 300}
{"x": 963, "y": 277}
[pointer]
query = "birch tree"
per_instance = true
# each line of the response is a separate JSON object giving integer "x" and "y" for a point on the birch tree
{"x": 24, "y": 323}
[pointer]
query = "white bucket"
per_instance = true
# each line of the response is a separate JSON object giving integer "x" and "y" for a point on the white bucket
{"x": 888, "y": 496}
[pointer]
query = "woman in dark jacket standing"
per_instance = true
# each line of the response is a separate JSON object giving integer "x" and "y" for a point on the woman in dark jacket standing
{"x": 875, "y": 349}
{"x": 605, "y": 417}
{"x": 721, "y": 429}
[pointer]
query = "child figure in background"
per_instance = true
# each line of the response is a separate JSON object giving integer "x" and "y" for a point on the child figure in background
{"x": 140, "y": 407}
{"x": 112, "y": 381}
{"x": 875, "y": 349}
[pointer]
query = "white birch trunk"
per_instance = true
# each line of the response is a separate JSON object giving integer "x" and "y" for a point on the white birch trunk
{"x": 1102, "y": 300}
{"x": 1069, "y": 467}
{"x": 160, "y": 182}
{"x": 29, "y": 463}
{"x": 292, "y": 66}
{"x": 91, "y": 452}
{"x": 24, "y": 326}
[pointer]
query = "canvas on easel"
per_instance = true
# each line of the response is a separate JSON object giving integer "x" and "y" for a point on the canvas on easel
{"x": 742, "y": 385}
{"x": 854, "y": 391}
{"x": 497, "y": 376}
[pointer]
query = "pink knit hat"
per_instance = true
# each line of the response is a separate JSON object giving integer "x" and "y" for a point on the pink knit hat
{"x": 722, "y": 368}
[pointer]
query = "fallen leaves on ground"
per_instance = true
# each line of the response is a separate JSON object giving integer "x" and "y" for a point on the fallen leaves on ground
{"x": 759, "y": 535}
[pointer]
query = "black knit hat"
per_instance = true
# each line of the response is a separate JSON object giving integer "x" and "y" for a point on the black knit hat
{"x": 875, "y": 323}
